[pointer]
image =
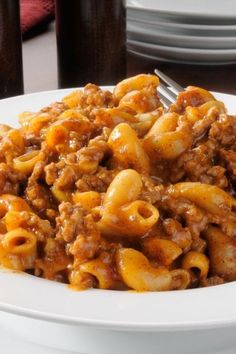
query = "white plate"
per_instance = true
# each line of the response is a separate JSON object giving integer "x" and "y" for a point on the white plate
{"x": 201, "y": 8}
{"x": 161, "y": 60}
{"x": 183, "y": 28}
{"x": 142, "y": 33}
{"x": 29, "y": 296}
{"x": 191, "y": 21}
{"x": 183, "y": 54}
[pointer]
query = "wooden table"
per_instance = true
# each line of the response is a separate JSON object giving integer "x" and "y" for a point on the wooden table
{"x": 40, "y": 68}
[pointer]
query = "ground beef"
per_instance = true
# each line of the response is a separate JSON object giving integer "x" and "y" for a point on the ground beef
{"x": 228, "y": 159}
{"x": 32, "y": 141}
{"x": 55, "y": 109}
{"x": 90, "y": 156}
{"x": 224, "y": 131}
{"x": 40, "y": 227}
{"x": 11, "y": 182}
{"x": 76, "y": 166}
{"x": 98, "y": 182}
{"x": 54, "y": 262}
{"x": 66, "y": 178}
{"x": 87, "y": 241}
{"x": 37, "y": 193}
{"x": 202, "y": 126}
{"x": 198, "y": 165}
{"x": 94, "y": 96}
{"x": 194, "y": 218}
{"x": 62, "y": 175}
{"x": 88, "y": 99}
{"x": 78, "y": 230}
{"x": 70, "y": 222}
{"x": 211, "y": 281}
{"x": 195, "y": 163}
{"x": 150, "y": 193}
{"x": 177, "y": 233}
{"x": 52, "y": 171}
{"x": 216, "y": 175}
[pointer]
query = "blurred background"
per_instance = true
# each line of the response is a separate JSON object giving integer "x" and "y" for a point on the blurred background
{"x": 194, "y": 43}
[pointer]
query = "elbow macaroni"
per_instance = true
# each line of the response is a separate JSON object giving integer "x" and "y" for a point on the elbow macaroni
{"x": 18, "y": 249}
{"x": 127, "y": 149}
{"x": 167, "y": 140}
{"x": 196, "y": 260}
{"x": 25, "y": 163}
{"x": 135, "y": 83}
{"x": 138, "y": 274}
{"x": 210, "y": 198}
{"x": 122, "y": 214}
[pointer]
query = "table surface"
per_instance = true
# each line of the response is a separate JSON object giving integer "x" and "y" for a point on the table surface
{"x": 40, "y": 68}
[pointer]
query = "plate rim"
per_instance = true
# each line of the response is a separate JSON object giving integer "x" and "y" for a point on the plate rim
{"x": 183, "y": 26}
{"x": 136, "y": 29}
{"x": 181, "y": 54}
{"x": 178, "y": 61}
{"x": 183, "y": 50}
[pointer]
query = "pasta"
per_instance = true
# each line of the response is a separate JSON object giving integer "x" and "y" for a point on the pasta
{"x": 127, "y": 149}
{"x": 166, "y": 139}
{"x": 18, "y": 249}
{"x": 123, "y": 214}
{"x": 110, "y": 190}
{"x": 196, "y": 260}
{"x": 25, "y": 163}
{"x": 138, "y": 274}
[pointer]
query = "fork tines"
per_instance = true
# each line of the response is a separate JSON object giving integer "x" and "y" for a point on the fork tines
{"x": 169, "y": 89}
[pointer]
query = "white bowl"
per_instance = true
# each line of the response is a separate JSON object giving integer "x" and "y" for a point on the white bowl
{"x": 91, "y": 340}
{"x": 104, "y": 322}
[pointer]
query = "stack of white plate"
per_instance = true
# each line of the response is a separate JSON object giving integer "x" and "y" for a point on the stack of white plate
{"x": 183, "y": 31}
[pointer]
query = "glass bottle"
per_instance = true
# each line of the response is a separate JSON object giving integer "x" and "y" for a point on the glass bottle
{"x": 11, "y": 70}
{"x": 91, "y": 42}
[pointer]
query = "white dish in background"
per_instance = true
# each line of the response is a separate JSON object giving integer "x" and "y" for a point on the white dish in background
{"x": 174, "y": 32}
{"x": 192, "y": 8}
{"x": 161, "y": 60}
{"x": 184, "y": 28}
{"x": 141, "y": 33}
{"x": 183, "y": 54}
{"x": 101, "y": 321}
{"x": 153, "y": 16}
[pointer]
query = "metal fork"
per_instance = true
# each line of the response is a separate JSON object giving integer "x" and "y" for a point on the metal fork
{"x": 168, "y": 90}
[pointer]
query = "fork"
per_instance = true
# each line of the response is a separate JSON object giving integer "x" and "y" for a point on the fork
{"x": 168, "y": 90}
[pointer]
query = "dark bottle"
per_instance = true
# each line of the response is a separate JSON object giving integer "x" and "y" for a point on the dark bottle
{"x": 11, "y": 71}
{"x": 91, "y": 41}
